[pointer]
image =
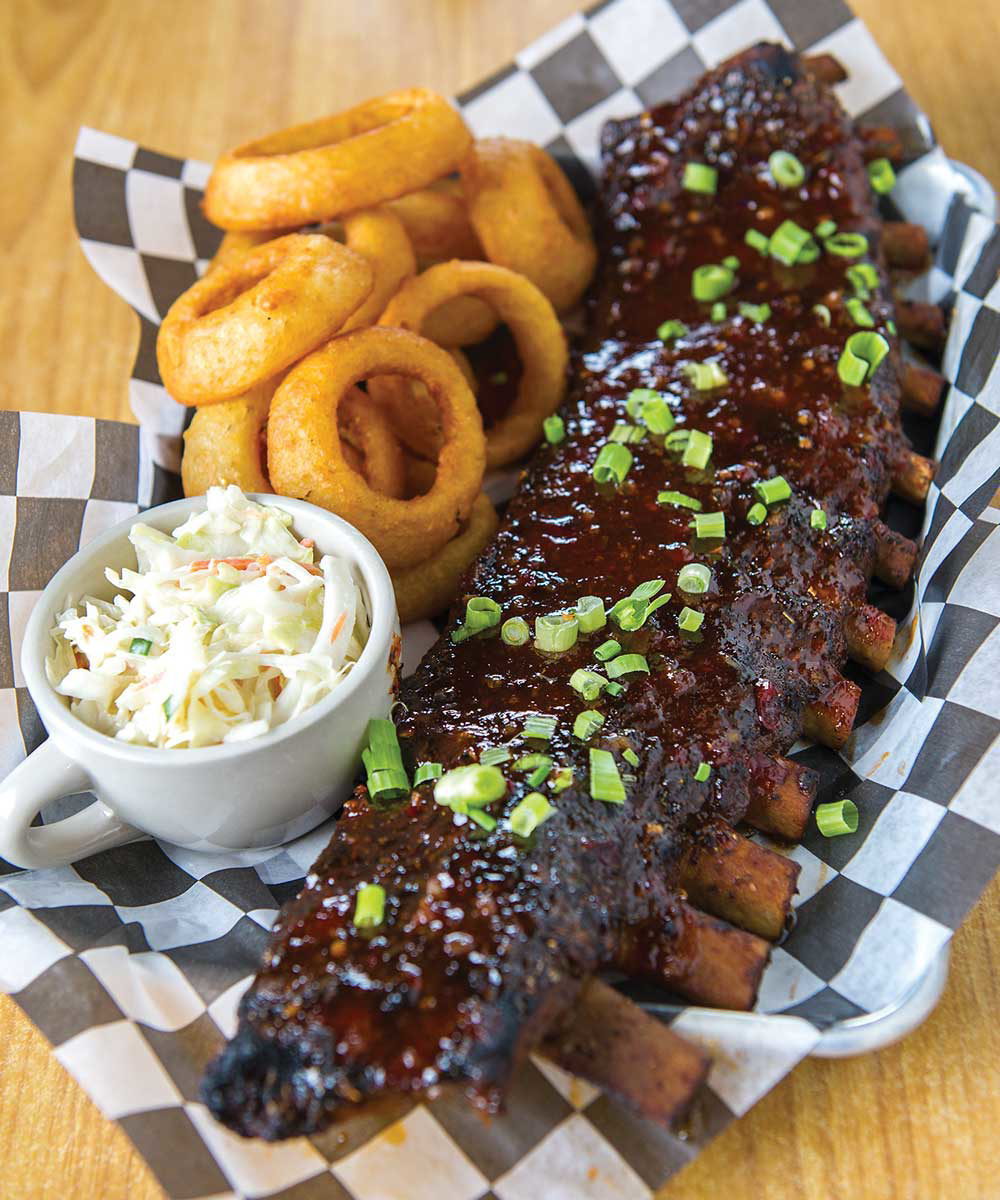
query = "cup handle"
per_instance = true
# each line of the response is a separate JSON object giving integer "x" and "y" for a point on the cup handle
{"x": 46, "y": 775}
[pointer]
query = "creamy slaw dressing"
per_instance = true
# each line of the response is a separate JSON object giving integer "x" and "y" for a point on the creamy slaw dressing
{"x": 227, "y": 629}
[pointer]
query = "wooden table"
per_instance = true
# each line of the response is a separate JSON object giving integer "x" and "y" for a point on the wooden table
{"x": 918, "y": 1120}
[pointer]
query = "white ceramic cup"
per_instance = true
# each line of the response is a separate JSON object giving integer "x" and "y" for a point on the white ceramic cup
{"x": 251, "y": 794}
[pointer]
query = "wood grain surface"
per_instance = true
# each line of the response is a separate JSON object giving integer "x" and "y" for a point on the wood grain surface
{"x": 917, "y": 1121}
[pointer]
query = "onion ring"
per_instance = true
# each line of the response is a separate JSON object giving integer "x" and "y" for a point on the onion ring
{"x": 540, "y": 341}
{"x": 379, "y": 236}
{"x": 305, "y": 457}
{"x": 236, "y": 246}
{"x": 241, "y": 324}
{"x": 430, "y": 587}
{"x": 367, "y": 154}
{"x": 437, "y": 223}
{"x": 529, "y": 218}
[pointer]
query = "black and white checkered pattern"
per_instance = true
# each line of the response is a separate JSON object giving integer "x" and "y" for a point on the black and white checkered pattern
{"x": 133, "y": 961}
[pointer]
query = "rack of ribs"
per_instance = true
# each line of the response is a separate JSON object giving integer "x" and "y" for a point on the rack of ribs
{"x": 492, "y": 946}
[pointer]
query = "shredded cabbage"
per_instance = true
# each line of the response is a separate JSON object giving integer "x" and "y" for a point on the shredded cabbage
{"x": 226, "y": 629}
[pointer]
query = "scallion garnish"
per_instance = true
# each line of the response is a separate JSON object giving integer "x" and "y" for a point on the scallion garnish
{"x": 531, "y": 812}
{"x": 690, "y": 619}
{"x": 587, "y": 724}
{"x": 556, "y": 632}
{"x": 531, "y": 762}
{"x": 626, "y": 664}
{"x": 679, "y": 500}
{"x": 817, "y": 519}
{"x": 630, "y": 756}
{"x": 773, "y": 491}
{"x": 472, "y": 786}
{"x": 858, "y": 313}
{"x": 757, "y": 241}
{"x": 846, "y": 245}
{"x": 881, "y": 176}
{"x": 732, "y": 262}
{"x": 670, "y": 330}
{"x": 717, "y": 313}
{"x": 481, "y": 613}
{"x": 588, "y": 683}
{"x": 757, "y": 514}
{"x": 758, "y": 313}
{"x": 369, "y": 906}
{"x": 554, "y": 428}
{"x": 493, "y": 756}
{"x": 825, "y": 228}
{"x": 625, "y": 433}
{"x": 823, "y": 313}
{"x": 613, "y": 689}
{"x": 709, "y": 525}
{"x": 484, "y": 820}
{"x": 861, "y": 356}
{"x": 788, "y": 243}
{"x": 700, "y": 177}
{"x": 140, "y": 646}
{"x": 386, "y": 775}
{"x": 537, "y": 725}
{"x": 786, "y": 170}
{"x": 607, "y": 650}
{"x": 698, "y": 450}
{"x": 837, "y": 817}
{"x": 657, "y": 415}
{"x": 561, "y": 780}
{"x": 694, "y": 578}
{"x": 703, "y": 772}
{"x": 711, "y": 281}
{"x": 427, "y": 771}
{"x": 636, "y": 398}
{"x": 612, "y": 463}
{"x": 676, "y": 440}
{"x": 862, "y": 277}
{"x": 891, "y": 328}
{"x": 705, "y": 375}
{"x": 605, "y": 782}
{"x": 590, "y": 614}
{"x": 515, "y": 632}
{"x": 539, "y": 775}
{"x": 631, "y": 612}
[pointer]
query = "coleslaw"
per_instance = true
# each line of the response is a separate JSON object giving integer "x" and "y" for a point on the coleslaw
{"x": 225, "y": 630}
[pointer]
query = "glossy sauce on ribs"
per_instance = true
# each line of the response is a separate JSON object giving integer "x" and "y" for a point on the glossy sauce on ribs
{"x": 487, "y": 938}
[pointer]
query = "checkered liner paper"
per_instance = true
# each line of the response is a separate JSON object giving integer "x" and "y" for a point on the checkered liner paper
{"x": 132, "y": 962}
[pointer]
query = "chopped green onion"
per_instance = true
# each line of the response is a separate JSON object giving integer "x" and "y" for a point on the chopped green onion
{"x": 788, "y": 242}
{"x": 636, "y": 398}
{"x": 493, "y": 756}
{"x": 809, "y": 253}
{"x": 556, "y": 632}
{"x": 711, "y": 281}
{"x": 862, "y": 277}
{"x": 732, "y": 262}
{"x": 482, "y": 819}
{"x": 427, "y": 771}
{"x": 657, "y": 415}
{"x": 631, "y": 612}
{"x": 758, "y": 313}
{"x": 773, "y": 491}
{"x": 531, "y": 812}
{"x": 140, "y": 646}
{"x": 369, "y": 907}
{"x": 481, "y": 613}
{"x": 648, "y": 589}
{"x": 699, "y": 177}
{"x": 861, "y": 356}
{"x": 837, "y": 817}
{"x": 825, "y": 228}
{"x": 625, "y": 664}
{"x": 630, "y": 756}
{"x": 717, "y": 313}
{"x": 705, "y": 375}
{"x": 757, "y": 514}
{"x": 823, "y": 313}
{"x": 757, "y": 241}
{"x": 536, "y": 725}
{"x": 587, "y": 724}
{"x": 625, "y": 433}
{"x": 786, "y": 170}
{"x": 613, "y": 689}
{"x": 709, "y": 525}
{"x": 891, "y": 328}
{"x": 881, "y": 176}
{"x": 613, "y": 463}
{"x": 528, "y": 762}
{"x": 694, "y": 578}
{"x": 472, "y": 786}
{"x": 386, "y": 775}
{"x": 676, "y": 440}
{"x": 515, "y": 632}
{"x": 817, "y": 519}
{"x": 607, "y": 650}
{"x": 605, "y": 782}
{"x": 588, "y": 683}
{"x": 590, "y": 614}
{"x": 679, "y": 499}
{"x": 698, "y": 450}
{"x": 703, "y": 772}
{"x": 846, "y": 245}
{"x": 690, "y": 619}
{"x": 858, "y": 313}
{"x": 670, "y": 330}
{"x": 562, "y": 779}
{"x": 554, "y": 428}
